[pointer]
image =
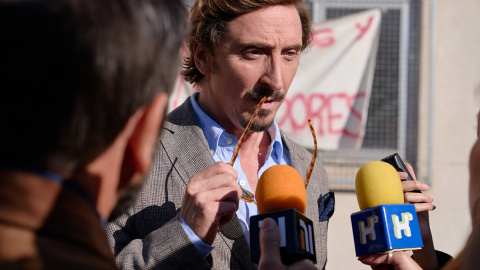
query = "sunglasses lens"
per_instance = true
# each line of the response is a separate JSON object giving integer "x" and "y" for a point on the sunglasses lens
{"x": 247, "y": 196}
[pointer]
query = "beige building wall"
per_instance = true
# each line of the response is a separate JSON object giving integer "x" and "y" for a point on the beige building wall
{"x": 453, "y": 95}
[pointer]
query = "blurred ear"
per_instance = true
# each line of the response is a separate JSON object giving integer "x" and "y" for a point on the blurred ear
{"x": 141, "y": 144}
{"x": 202, "y": 60}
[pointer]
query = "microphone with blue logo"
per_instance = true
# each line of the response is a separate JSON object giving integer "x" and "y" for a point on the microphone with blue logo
{"x": 384, "y": 223}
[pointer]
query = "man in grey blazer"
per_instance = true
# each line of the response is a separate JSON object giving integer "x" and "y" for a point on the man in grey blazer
{"x": 189, "y": 213}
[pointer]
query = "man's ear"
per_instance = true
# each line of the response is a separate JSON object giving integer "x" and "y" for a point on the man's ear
{"x": 141, "y": 144}
{"x": 202, "y": 60}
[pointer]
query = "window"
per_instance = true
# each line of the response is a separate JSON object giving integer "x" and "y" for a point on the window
{"x": 394, "y": 97}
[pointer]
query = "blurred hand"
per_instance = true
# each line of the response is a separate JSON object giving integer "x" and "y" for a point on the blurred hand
{"x": 425, "y": 257}
{"x": 421, "y": 201}
{"x": 270, "y": 247}
{"x": 400, "y": 261}
{"x": 211, "y": 199}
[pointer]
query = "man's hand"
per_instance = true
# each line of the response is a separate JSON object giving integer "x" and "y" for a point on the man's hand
{"x": 211, "y": 199}
{"x": 399, "y": 260}
{"x": 270, "y": 247}
{"x": 421, "y": 201}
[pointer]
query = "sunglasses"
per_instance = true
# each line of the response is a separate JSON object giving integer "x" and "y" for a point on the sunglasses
{"x": 247, "y": 196}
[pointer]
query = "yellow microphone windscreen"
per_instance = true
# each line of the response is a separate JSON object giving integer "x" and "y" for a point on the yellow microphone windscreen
{"x": 281, "y": 187}
{"x": 378, "y": 183}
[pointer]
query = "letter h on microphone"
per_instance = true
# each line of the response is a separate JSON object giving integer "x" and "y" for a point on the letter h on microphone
{"x": 386, "y": 227}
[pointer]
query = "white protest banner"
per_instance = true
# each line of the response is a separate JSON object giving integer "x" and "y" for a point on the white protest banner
{"x": 332, "y": 86}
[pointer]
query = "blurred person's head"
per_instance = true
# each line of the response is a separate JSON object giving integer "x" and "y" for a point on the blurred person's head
{"x": 85, "y": 85}
{"x": 474, "y": 190}
{"x": 468, "y": 258}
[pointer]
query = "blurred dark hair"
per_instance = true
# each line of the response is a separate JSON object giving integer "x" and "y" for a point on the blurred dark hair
{"x": 72, "y": 72}
{"x": 209, "y": 19}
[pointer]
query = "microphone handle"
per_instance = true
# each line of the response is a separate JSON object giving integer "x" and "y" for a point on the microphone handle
{"x": 396, "y": 161}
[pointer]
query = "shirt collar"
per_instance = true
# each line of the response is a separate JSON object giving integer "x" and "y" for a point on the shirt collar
{"x": 213, "y": 131}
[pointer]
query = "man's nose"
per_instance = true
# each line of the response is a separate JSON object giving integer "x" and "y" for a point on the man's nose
{"x": 273, "y": 73}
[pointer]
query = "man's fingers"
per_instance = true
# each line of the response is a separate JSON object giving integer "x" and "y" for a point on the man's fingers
{"x": 417, "y": 198}
{"x": 218, "y": 168}
{"x": 304, "y": 264}
{"x": 211, "y": 199}
{"x": 213, "y": 178}
{"x": 214, "y": 189}
{"x": 421, "y": 207}
{"x": 270, "y": 245}
{"x": 414, "y": 185}
{"x": 410, "y": 170}
{"x": 221, "y": 194}
{"x": 421, "y": 201}
{"x": 404, "y": 175}
{"x": 213, "y": 182}
{"x": 226, "y": 211}
{"x": 216, "y": 206}
{"x": 374, "y": 259}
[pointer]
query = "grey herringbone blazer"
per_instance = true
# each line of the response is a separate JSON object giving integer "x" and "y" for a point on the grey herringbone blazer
{"x": 150, "y": 235}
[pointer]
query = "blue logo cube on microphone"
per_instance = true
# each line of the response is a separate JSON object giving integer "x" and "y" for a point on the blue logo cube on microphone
{"x": 385, "y": 227}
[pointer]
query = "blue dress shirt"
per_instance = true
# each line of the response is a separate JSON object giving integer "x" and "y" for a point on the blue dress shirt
{"x": 221, "y": 146}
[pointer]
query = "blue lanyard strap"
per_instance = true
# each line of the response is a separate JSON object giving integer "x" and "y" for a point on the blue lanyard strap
{"x": 77, "y": 189}
{"x": 54, "y": 177}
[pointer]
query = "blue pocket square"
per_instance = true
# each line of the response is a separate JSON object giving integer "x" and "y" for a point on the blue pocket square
{"x": 326, "y": 207}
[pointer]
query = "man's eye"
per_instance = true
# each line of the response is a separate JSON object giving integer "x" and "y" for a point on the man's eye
{"x": 254, "y": 52}
{"x": 291, "y": 54}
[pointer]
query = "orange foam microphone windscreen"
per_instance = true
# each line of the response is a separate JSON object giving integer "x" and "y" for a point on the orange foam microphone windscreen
{"x": 281, "y": 187}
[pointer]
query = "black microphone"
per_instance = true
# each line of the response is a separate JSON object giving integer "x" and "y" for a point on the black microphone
{"x": 281, "y": 195}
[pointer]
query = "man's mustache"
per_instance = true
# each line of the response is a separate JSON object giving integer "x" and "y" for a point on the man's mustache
{"x": 259, "y": 93}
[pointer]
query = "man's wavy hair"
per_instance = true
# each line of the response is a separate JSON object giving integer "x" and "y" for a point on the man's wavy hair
{"x": 209, "y": 19}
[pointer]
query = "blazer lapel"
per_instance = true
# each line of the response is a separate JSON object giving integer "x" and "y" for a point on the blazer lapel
{"x": 297, "y": 161}
{"x": 184, "y": 142}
